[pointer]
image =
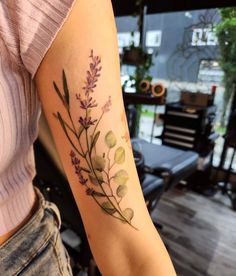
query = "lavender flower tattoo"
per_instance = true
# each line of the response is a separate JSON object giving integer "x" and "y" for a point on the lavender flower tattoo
{"x": 97, "y": 177}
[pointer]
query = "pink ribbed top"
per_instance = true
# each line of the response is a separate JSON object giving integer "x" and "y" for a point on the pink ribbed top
{"x": 27, "y": 29}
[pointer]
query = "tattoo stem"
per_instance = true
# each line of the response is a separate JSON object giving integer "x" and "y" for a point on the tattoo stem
{"x": 118, "y": 210}
{"x": 78, "y": 137}
{"x": 65, "y": 124}
{"x": 110, "y": 213}
{"x": 95, "y": 128}
{"x": 109, "y": 179}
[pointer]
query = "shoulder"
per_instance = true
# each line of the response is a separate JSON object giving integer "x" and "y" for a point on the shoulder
{"x": 28, "y": 28}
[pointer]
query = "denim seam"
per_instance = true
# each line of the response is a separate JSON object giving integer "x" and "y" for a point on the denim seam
{"x": 68, "y": 261}
{"x": 56, "y": 253}
{"x": 54, "y": 215}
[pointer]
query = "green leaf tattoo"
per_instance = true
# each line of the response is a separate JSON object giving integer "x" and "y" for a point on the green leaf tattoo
{"x": 122, "y": 190}
{"x": 121, "y": 177}
{"x": 120, "y": 155}
{"x": 65, "y": 86}
{"x": 110, "y": 139}
{"x": 106, "y": 188}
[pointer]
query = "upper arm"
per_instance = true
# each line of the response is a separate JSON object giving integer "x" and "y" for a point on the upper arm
{"x": 79, "y": 86}
{"x": 90, "y": 26}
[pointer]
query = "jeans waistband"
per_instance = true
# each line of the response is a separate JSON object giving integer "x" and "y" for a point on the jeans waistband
{"x": 33, "y": 236}
{"x": 47, "y": 205}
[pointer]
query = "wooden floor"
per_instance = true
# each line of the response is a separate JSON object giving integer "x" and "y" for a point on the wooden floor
{"x": 200, "y": 233}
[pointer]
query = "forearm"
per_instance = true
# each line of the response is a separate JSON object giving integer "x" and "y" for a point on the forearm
{"x": 89, "y": 127}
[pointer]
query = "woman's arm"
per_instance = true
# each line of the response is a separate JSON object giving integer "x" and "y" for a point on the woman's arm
{"x": 79, "y": 87}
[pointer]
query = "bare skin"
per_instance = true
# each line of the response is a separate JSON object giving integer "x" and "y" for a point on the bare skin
{"x": 121, "y": 234}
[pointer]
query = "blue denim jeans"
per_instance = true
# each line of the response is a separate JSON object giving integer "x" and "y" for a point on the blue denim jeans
{"x": 36, "y": 249}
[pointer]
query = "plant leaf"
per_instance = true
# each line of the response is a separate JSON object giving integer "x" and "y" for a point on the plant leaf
{"x": 66, "y": 133}
{"x": 94, "y": 141}
{"x": 121, "y": 177}
{"x": 128, "y": 213}
{"x": 110, "y": 139}
{"x": 66, "y": 125}
{"x": 63, "y": 125}
{"x": 65, "y": 86}
{"x": 108, "y": 207}
{"x": 58, "y": 92}
{"x": 99, "y": 163}
{"x": 96, "y": 179}
{"x": 120, "y": 155}
{"x": 85, "y": 169}
{"x": 122, "y": 190}
{"x": 99, "y": 194}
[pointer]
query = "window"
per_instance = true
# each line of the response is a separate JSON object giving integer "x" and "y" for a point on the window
{"x": 204, "y": 37}
{"x": 153, "y": 38}
{"x": 210, "y": 72}
{"x": 125, "y": 39}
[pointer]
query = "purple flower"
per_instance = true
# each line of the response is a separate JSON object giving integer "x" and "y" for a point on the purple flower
{"x": 87, "y": 122}
{"x": 107, "y": 105}
{"x": 85, "y": 104}
{"x": 77, "y": 168}
{"x": 90, "y": 191}
{"x": 82, "y": 180}
{"x": 72, "y": 154}
{"x": 76, "y": 163}
{"x": 93, "y": 74}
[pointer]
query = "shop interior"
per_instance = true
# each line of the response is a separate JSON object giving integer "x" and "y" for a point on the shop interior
{"x": 178, "y": 77}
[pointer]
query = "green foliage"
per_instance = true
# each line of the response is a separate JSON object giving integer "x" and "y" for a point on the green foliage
{"x": 228, "y": 13}
{"x": 99, "y": 163}
{"x": 226, "y": 33}
{"x": 65, "y": 86}
{"x": 58, "y": 92}
{"x": 110, "y": 139}
{"x": 108, "y": 207}
{"x": 94, "y": 172}
{"x": 121, "y": 177}
{"x": 96, "y": 178}
{"x": 142, "y": 70}
{"x": 94, "y": 141}
{"x": 128, "y": 214}
{"x": 122, "y": 191}
{"x": 120, "y": 155}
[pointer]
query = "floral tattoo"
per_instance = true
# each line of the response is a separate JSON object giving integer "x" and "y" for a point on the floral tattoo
{"x": 102, "y": 174}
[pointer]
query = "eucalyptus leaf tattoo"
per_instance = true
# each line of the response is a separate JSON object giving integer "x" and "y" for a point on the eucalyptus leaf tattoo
{"x": 103, "y": 177}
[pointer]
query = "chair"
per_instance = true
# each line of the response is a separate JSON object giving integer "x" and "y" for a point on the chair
{"x": 169, "y": 163}
{"x": 152, "y": 186}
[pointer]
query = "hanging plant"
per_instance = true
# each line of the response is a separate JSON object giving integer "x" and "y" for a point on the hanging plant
{"x": 226, "y": 33}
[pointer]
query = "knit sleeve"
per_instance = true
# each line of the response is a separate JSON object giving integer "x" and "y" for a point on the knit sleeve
{"x": 30, "y": 26}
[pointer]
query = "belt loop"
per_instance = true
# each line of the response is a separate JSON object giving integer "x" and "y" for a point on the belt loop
{"x": 55, "y": 210}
